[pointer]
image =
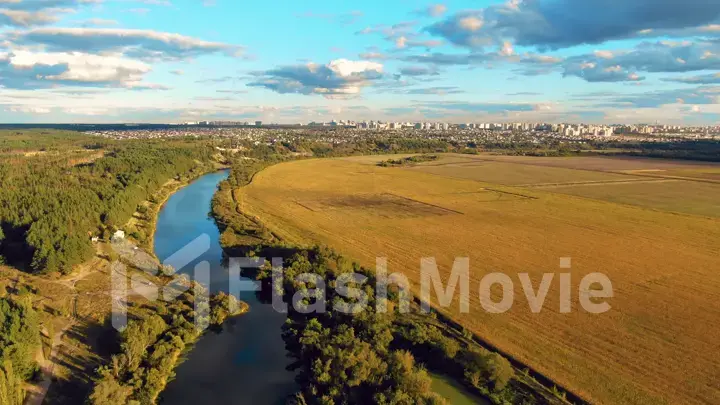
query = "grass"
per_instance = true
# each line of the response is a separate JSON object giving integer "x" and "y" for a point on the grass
{"x": 653, "y": 347}
{"x": 455, "y": 393}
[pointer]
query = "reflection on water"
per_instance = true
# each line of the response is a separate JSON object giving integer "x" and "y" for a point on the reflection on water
{"x": 244, "y": 364}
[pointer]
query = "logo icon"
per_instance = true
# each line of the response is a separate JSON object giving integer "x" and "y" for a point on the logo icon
{"x": 127, "y": 284}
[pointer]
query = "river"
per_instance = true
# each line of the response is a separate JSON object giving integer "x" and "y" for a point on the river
{"x": 244, "y": 364}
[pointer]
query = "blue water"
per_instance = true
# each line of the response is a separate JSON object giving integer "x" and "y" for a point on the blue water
{"x": 245, "y": 364}
{"x": 185, "y": 217}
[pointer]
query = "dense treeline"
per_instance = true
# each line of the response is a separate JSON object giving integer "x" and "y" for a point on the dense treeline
{"x": 239, "y": 231}
{"x": 46, "y": 141}
{"x": 353, "y": 354}
{"x": 688, "y": 150}
{"x": 345, "y": 358}
{"x": 19, "y": 335}
{"x": 19, "y": 342}
{"x": 48, "y": 212}
{"x": 374, "y": 147}
{"x": 703, "y": 150}
{"x": 408, "y": 161}
{"x": 346, "y": 352}
{"x": 149, "y": 349}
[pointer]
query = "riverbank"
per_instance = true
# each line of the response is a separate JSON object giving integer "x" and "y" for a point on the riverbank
{"x": 245, "y": 362}
{"x": 147, "y": 220}
{"x": 169, "y": 329}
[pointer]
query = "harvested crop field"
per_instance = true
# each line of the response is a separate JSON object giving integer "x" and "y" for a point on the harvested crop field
{"x": 655, "y": 346}
{"x": 689, "y": 197}
{"x": 385, "y": 205}
{"x": 513, "y": 174}
{"x": 675, "y": 186}
{"x": 603, "y": 163}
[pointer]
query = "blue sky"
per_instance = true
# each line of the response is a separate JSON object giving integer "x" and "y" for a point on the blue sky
{"x": 611, "y": 61}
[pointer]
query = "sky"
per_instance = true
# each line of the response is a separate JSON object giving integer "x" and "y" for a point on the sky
{"x": 592, "y": 61}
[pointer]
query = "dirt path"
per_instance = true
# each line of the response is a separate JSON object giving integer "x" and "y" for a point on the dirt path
{"x": 36, "y": 393}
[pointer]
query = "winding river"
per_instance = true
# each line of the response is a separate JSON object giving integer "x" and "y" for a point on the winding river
{"x": 244, "y": 364}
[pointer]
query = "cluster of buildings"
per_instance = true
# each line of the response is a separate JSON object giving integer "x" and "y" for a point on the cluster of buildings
{"x": 222, "y": 123}
{"x": 581, "y": 129}
{"x": 565, "y": 129}
{"x": 339, "y": 132}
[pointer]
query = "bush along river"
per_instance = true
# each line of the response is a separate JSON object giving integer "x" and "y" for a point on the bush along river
{"x": 246, "y": 362}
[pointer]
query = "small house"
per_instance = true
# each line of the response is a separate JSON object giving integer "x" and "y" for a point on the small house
{"x": 118, "y": 236}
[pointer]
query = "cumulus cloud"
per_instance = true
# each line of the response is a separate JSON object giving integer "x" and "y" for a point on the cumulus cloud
{"x": 146, "y": 44}
{"x": 35, "y": 5}
{"x": 16, "y": 13}
{"x": 402, "y": 35}
{"x": 339, "y": 78}
{"x": 30, "y": 70}
{"x": 657, "y": 57}
{"x": 464, "y": 29}
{"x": 527, "y": 63}
{"x": 25, "y": 18}
{"x": 555, "y": 24}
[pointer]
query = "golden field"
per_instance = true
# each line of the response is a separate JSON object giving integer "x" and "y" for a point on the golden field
{"x": 660, "y": 342}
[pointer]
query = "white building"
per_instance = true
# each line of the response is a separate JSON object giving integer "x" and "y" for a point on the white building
{"x": 118, "y": 236}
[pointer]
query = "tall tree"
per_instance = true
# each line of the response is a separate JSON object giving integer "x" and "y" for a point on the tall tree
{"x": 11, "y": 387}
{"x": 19, "y": 336}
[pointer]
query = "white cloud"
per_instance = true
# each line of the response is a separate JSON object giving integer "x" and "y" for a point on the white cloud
{"x": 82, "y": 67}
{"x": 25, "y": 18}
{"x": 339, "y": 78}
{"x": 132, "y": 42}
{"x": 36, "y": 70}
{"x": 554, "y": 24}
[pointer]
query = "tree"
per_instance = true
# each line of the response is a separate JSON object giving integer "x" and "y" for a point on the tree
{"x": 166, "y": 270}
{"x": 109, "y": 391}
{"x": 138, "y": 336}
{"x": 11, "y": 387}
{"x": 2, "y": 237}
{"x": 499, "y": 371}
{"x": 19, "y": 336}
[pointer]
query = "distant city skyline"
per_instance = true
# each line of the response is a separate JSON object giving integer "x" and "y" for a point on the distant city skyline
{"x": 549, "y": 61}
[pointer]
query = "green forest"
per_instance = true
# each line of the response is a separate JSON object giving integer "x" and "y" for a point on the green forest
{"x": 19, "y": 341}
{"x": 50, "y": 208}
